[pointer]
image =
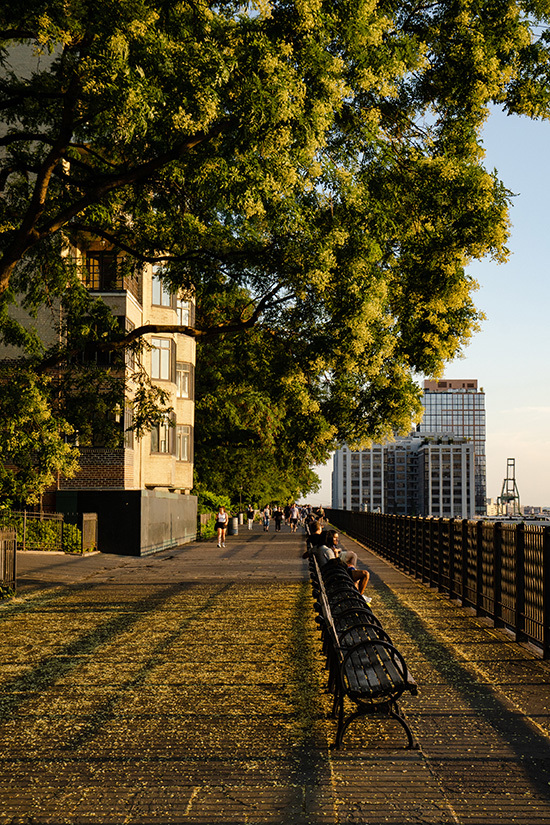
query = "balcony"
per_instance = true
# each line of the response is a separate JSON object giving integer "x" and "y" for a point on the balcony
{"x": 105, "y": 272}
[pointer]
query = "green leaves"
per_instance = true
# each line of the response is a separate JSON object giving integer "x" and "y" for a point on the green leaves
{"x": 32, "y": 437}
{"x": 321, "y": 160}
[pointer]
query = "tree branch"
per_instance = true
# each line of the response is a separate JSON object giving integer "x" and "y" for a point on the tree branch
{"x": 29, "y": 235}
{"x": 134, "y": 175}
{"x": 204, "y": 333}
{"x": 37, "y": 137}
{"x": 18, "y": 34}
{"x": 116, "y": 241}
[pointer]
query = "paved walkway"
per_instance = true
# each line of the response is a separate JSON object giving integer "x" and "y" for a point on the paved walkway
{"x": 187, "y": 687}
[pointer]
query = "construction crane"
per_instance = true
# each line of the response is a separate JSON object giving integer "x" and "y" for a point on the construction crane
{"x": 508, "y": 501}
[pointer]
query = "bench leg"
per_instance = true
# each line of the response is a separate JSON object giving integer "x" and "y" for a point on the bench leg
{"x": 343, "y": 725}
{"x": 335, "y": 705}
{"x": 395, "y": 713}
{"x": 340, "y": 730}
{"x": 392, "y": 710}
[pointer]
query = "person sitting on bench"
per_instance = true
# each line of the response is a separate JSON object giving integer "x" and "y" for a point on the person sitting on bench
{"x": 317, "y": 545}
{"x": 349, "y": 557}
{"x": 328, "y": 540}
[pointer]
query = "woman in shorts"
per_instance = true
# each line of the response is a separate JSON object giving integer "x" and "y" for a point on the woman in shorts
{"x": 221, "y": 525}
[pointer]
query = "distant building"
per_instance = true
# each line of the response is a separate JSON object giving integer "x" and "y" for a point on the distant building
{"x": 458, "y": 407}
{"x": 492, "y": 508}
{"x": 446, "y": 477}
{"x": 358, "y": 479}
{"x": 426, "y": 474}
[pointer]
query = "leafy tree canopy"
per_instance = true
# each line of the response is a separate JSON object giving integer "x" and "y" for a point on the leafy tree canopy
{"x": 320, "y": 158}
{"x": 260, "y": 420}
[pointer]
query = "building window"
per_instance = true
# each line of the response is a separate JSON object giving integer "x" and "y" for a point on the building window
{"x": 128, "y": 424}
{"x": 183, "y": 442}
{"x": 184, "y": 380}
{"x": 162, "y": 297}
{"x": 183, "y": 308}
{"x": 162, "y": 437}
{"x": 160, "y": 358}
{"x": 100, "y": 272}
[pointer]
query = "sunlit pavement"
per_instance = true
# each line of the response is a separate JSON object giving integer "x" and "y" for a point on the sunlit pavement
{"x": 187, "y": 687}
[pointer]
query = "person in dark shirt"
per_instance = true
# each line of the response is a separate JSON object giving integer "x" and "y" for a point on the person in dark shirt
{"x": 278, "y": 516}
{"x": 250, "y": 517}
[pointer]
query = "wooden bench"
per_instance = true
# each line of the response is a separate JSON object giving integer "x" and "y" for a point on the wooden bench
{"x": 364, "y": 666}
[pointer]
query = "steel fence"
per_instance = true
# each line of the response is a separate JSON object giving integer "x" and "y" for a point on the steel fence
{"x": 500, "y": 569}
{"x": 68, "y": 532}
{"x": 35, "y": 531}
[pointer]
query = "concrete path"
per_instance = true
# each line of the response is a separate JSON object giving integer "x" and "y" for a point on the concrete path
{"x": 187, "y": 687}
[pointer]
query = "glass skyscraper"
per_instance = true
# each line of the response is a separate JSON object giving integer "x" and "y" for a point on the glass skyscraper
{"x": 457, "y": 407}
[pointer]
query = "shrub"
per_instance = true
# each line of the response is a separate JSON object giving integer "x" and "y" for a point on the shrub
{"x": 72, "y": 539}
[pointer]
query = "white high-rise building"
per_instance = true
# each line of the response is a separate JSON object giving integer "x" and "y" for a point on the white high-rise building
{"x": 425, "y": 474}
{"x": 445, "y": 476}
{"x": 358, "y": 479}
{"x": 439, "y": 470}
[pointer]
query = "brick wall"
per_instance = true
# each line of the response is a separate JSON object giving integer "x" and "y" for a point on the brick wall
{"x": 100, "y": 468}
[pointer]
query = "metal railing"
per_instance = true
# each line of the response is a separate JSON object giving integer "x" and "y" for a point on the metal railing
{"x": 8, "y": 555}
{"x": 52, "y": 531}
{"x": 500, "y": 569}
{"x": 35, "y": 531}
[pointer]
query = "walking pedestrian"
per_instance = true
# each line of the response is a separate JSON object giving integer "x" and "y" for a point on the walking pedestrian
{"x": 222, "y": 520}
{"x": 250, "y": 516}
{"x": 294, "y": 515}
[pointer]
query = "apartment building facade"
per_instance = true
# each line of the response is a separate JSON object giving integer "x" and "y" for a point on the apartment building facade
{"x": 422, "y": 474}
{"x": 141, "y": 490}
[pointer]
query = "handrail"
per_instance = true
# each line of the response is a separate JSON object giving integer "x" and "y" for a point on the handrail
{"x": 500, "y": 569}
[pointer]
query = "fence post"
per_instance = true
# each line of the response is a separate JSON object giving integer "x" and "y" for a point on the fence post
{"x": 546, "y": 593}
{"x": 429, "y": 544}
{"x": 407, "y": 547}
{"x": 497, "y": 572}
{"x": 399, "y": 535}
{"x": 464, "y": 594}
{"x": 433, "y": 527}
{"x": 479, "y": 568}
{"x": 24, "y": 529}
{"x": 418, "y": 545}
{"x": 520, "y": 580}
{"x": 440, "y": 554}
{"x": 426, "y": 549}
{"x": 451, "y": 558}
{"x": 422, "y": 548}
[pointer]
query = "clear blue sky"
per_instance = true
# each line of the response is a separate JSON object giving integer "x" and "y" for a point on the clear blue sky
{"x": 510, "y": 357}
